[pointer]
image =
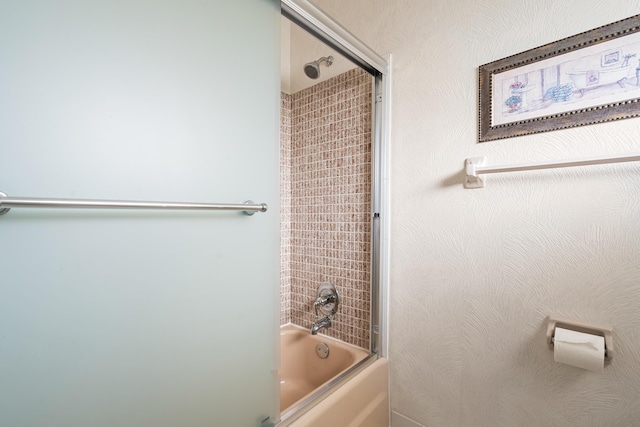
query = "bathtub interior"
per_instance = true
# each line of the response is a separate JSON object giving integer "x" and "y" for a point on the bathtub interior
{"x": 302, "y": 371}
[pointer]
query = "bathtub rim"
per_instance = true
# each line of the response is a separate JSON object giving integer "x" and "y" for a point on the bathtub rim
{"x": 301, "y": 407}
{"x": 290, "y": 326}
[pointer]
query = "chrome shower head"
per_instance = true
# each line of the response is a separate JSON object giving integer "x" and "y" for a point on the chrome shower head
{"x": 312, "y": 69}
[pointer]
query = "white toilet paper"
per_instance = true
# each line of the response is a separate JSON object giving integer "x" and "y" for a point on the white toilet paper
{"x": 585, "y": 351}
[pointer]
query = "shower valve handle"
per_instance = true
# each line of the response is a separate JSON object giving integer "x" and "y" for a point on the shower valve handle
{"x": 327, "y": 301}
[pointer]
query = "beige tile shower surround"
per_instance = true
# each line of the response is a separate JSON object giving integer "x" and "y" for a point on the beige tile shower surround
{"x": 326, "y": 202}
{"x": 285, "y": 208}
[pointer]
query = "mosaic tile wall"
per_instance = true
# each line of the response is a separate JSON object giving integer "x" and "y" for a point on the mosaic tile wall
{"x": 329, "y": 228}
{"x": 285, "y": 206}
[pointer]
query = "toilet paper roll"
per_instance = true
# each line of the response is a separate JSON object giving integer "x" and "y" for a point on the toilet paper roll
{"x": 573, "y": 348}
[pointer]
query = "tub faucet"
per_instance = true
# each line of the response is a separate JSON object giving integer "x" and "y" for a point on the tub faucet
{"x": 325, "y": 322}
{"x": 327, "y": 304}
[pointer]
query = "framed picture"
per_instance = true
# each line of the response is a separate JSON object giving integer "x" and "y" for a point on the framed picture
{"x": 592, "y": 77}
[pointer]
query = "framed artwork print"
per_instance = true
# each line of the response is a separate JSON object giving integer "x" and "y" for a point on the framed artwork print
{"x": 592, "y": 77}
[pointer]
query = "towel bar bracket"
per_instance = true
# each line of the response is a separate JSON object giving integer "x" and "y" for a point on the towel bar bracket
{"x": 472, "y": 180}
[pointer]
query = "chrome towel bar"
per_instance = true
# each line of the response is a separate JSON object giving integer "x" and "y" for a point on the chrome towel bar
{"x": 7, "y": 202}
{"x": 476, "y": 166}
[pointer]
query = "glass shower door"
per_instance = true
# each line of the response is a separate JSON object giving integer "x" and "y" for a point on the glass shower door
{"x": 129, "y": 317}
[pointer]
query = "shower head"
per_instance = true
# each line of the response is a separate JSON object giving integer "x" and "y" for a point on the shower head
{"x": 312, "y": 69}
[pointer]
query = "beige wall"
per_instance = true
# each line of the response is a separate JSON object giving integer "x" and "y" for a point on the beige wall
{"x": 475, "y": 272}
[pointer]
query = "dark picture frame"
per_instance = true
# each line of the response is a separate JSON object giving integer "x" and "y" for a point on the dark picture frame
{"x": 592, "y": 77}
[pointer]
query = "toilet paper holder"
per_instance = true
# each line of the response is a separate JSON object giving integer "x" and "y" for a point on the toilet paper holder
{"x": 587, "y": 328}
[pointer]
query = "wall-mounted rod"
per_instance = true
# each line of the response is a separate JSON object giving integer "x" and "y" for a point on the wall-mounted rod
{"x": 7, "y": 202}
{"x": 476, "y": 166}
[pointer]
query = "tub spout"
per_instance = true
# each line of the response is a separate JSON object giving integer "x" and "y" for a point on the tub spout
{"x": 325, "y": 322}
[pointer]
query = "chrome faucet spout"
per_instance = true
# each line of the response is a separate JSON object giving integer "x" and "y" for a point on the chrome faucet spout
{"x": 325, "y": 322}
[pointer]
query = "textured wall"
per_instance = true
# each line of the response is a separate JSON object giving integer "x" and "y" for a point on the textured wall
{"x": 326, "y": 222}
{"x": 476, "y": 272}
